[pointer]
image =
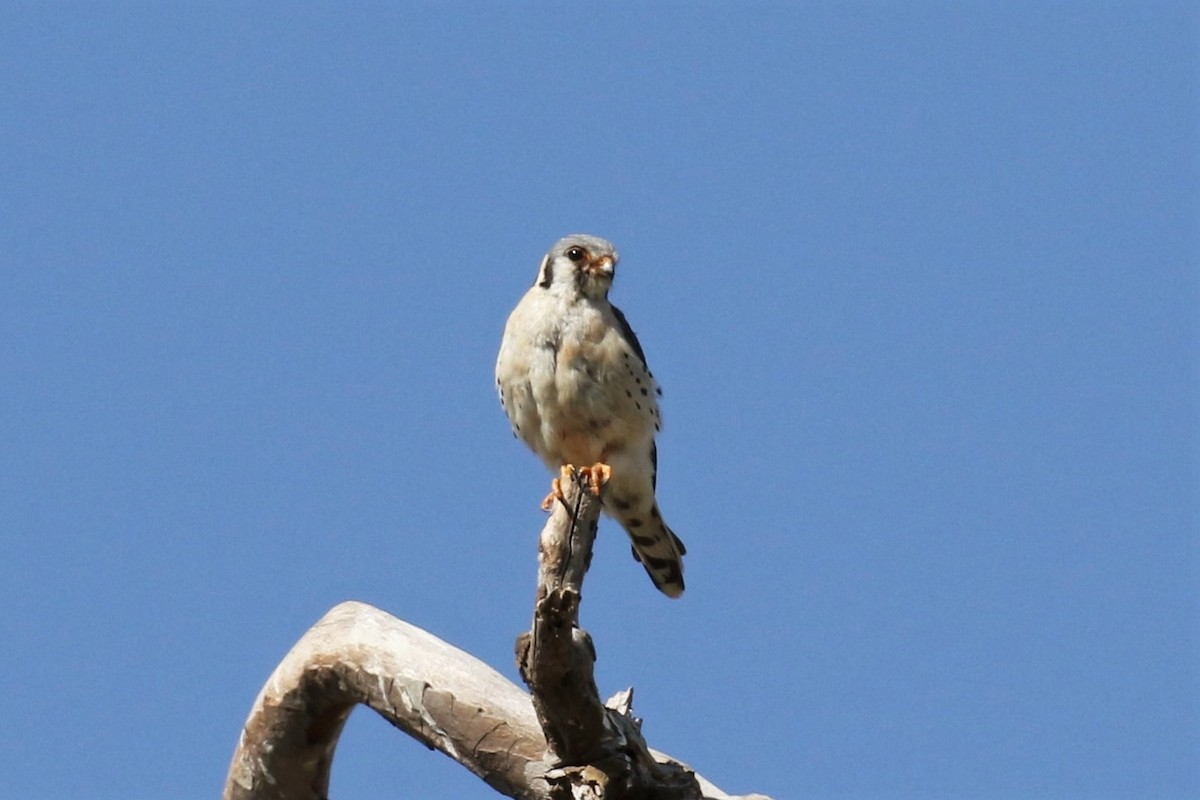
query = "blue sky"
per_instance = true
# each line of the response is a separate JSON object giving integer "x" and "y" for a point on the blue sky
{"x": 920, "y": 282}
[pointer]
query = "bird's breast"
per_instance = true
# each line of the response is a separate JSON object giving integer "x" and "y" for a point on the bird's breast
{"x": 573, "y": 384}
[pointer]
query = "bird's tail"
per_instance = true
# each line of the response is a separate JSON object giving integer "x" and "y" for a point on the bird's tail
{"x": 657, "y": 548}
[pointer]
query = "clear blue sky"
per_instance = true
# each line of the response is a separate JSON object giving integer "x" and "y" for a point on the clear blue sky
{"x": 920, "y": 282}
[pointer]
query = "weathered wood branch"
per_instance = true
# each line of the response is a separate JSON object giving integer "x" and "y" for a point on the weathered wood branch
{"x": 555, "y": 656}
{"x": 595, "y": 746}
{"x": 450, "y": 701}
{"x": 356, "y": 654}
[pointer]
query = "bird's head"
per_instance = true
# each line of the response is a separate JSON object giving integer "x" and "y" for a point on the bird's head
{"x": 579, "y": 263}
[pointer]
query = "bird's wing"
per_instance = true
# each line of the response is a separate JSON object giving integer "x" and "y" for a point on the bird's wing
{"x": 654, "y": 465}
{"x": 628, "y": 335}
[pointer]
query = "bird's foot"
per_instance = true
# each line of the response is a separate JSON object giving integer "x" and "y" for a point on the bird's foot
{"x": 556, "y": 492}
{"x": 597, "y": 475}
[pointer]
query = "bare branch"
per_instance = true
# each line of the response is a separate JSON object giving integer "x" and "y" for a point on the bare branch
{"x": 441, "y": 696}
{"x": 450, "y": 701}
{"x": 556, "y": 657}
{"x": 599, "y": 750}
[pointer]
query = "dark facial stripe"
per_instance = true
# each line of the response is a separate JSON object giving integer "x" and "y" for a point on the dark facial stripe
{"x": 547, "y": 272}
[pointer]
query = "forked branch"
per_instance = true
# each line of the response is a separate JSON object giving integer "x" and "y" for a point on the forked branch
{"x": 450, "y": 701}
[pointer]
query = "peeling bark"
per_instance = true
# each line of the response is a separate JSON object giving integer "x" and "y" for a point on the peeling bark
{"x": 571, "y": 746}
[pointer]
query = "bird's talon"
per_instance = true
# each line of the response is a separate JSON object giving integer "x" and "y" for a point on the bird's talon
{"x": 556, "y": 493}
{"x": 597, "y": 475}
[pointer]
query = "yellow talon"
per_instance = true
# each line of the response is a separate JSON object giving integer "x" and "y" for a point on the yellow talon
{"x": 597, "y": 475}
{"x": 556, "y": 492}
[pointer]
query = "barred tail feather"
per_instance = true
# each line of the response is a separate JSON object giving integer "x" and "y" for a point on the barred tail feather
{"x": 659, "y": 550}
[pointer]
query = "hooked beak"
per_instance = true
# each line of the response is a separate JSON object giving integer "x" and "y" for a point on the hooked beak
{"x": 602, "y": 267}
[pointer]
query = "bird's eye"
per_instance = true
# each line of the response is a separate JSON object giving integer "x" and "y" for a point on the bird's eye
{"x": 576, "y": 254}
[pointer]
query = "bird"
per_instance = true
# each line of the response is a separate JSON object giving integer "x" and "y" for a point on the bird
{"x": 573, "y": 381}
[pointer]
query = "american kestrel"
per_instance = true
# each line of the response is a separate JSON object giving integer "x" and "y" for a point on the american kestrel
{"x": 573, "y": 380}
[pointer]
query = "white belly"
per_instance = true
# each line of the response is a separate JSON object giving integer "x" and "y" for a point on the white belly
{"x": 574, "y": 392}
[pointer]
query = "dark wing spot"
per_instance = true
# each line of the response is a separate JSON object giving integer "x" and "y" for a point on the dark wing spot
{"x": 621, "y": 504}
{"x": 634, "y": 522}
{"x": 639, "y": 406}
{"x": 644, "y": 392}
{"x": 658, "y": 391}
{"x": 628, "y": 393}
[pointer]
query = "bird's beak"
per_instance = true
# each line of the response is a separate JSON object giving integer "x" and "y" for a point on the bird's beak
{"x": 602, "y": 267}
